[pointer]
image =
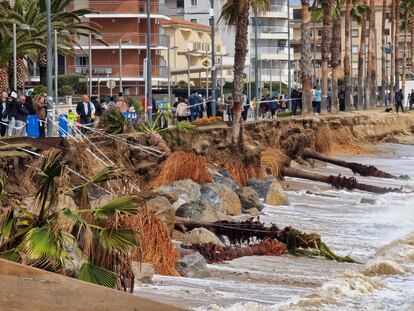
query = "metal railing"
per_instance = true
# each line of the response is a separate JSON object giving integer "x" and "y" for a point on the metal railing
{"x": 274, "y": 50}
{"x": 112, "y": 71}
{"x": 272, "y": 29}
{"x": 117, "y": 6}
{"x": 133, "y": 39}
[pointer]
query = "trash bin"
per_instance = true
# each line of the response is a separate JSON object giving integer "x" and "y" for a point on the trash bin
{"x": 33, "y": 126}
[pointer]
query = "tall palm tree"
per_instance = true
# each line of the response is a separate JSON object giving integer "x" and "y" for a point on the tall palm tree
{"x": 325, "y": 49}
{"x": 372, "y": 59}
{"x": 406, "y": 7}
{"x": 361, "y": 62}
{"x": 393, "y": 55}
{"x": 236, "y": 13}
{"x": 383, "y": 54}
{"x": 336, "y": 52}
{"x": 306, "y": 58}
{"x": 396, "y": 40}
{"x": 347, "y": 56}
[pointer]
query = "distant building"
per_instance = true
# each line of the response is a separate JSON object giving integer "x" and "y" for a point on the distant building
{"x": 123, "y": 25}
{"x": 191, "y": 43}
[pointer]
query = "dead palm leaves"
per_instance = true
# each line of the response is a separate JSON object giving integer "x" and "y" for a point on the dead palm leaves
{"x": 182, "y": 165}
{"x": 273, "y": 160}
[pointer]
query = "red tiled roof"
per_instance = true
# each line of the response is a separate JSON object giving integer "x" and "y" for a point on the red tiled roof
{"x": 183, "y": 22}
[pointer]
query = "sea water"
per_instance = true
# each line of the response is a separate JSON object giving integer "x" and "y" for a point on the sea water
{"x": 379, "y": 234}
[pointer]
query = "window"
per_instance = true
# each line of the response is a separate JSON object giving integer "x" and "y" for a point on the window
{"x": 388, "y": 15}
{"x": 387, "y": 32}
{"x": 355, "y": 49}
{"x": 355, "y": 33}
{"x": 193, "y": 20}
{"x": 81, "y": 61}
{"x": 193, "y": 2}
{"x": 180, "y": 3}
{"x": 354, "y": 65}
{"x": 320, "y": 33}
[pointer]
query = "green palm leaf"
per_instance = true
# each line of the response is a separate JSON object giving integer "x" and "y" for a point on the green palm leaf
{"x": 117, "y": 240}
{"x": 7, "y": 222}
{"x": 124, "y": 205}
{"x": 10, "y": 255}
{"x": 97, "y": 275}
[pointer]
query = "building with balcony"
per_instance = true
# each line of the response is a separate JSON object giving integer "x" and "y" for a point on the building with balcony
{"x": 191, "y": 43}
{"x": 119, "y": 55}
{"x": 272, "y": 41}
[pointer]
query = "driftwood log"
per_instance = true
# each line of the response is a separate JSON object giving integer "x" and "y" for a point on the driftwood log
{"x": 356, "y": 168}
{"x": 338, "y": 182}
{"x": 217, "y": 254}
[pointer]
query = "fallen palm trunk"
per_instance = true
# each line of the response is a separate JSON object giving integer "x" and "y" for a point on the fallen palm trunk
{"x": 217, "y": 254}
{"x": 363, "y": 170}
{"x": 338, "y": 182}
{"x": 249, "y": 231}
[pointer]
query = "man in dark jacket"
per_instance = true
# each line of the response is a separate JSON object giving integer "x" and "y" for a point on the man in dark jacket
{"x": 21, "y": 117}
{"x": 399, "y": 99}
{"x": 412, "y": 99}
{"x": 84, "y": 110}
{"x": 96, "y": 103}
{"x": 295, "y": 96}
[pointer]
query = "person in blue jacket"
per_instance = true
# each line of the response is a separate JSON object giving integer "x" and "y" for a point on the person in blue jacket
{"x": 317, "y": 98}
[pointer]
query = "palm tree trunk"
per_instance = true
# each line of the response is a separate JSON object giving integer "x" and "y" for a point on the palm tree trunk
{"x": 404, "y": 62}
{"x": 4, "y": 79}
{"x": 241, "y": 49}
{"x": 347, "y": 65}
{"x": 396, "y": 43}
{"x": 363, "y": 170}
{"x": 306, "y": 58}
{"x": 412, "y": 43}
{"x": 335, "y": 61}
{"x": 361, "y": 54}
{"x": 372, "y": 73}
{"x": 383, "y": 55}
{"x": 393, "y": 58}
{"x": 338, "y": 182}
{"x": 326, "y": 43}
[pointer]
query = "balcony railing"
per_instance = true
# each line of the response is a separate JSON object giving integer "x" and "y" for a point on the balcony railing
{"x": 271, "y": 29}
{"x": 133, "y": 39}
{"x": 273, "y": 50}
{"x": 118, "y": 6}
{"x": 112, "y": 71}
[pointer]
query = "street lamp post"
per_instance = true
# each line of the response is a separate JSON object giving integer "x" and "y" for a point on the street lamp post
{"x": 14, "y": 58}
{"x": 169, "y": 69}
{"x": 149, "y": 63}
{"x": 256, "y": 75}
{"x": 213, "y": 62}
{"x": 121, "y": 89}
{"x": 90, "y": 66}
{"x": 49, "y": 60}
{"x": 289, "y": 63}
{"x": 271, "y": 80}
{"x": 188, "y": 74}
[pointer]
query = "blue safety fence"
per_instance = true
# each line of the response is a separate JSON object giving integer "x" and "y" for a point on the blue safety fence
{"x": 132, "y": 117}
{"x": 33, "y": 126}
{"x": 63, "y": 129}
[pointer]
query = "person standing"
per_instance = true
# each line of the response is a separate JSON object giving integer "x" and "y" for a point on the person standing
{"x": 72, "y": 122}
{"x": 12, "y": 114}
{"x": 317, "y": 98}
{"x": 40, "y": 107}
{"x": 182, "y": 110}
{"x": 412, "y": 99}
{"x": 273, "y": 107}
{"x": 341, "y": 98}
{"x": 4, "y": 113}
{"x": 294, "y": 95}
{"x": 399, "y": 99}
{"x": 84, "y": 110}
{"x": 21, "y": 117}
{"x": 111, "y": 103}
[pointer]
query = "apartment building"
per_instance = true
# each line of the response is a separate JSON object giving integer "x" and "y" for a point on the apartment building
{"x": 355, "y": 43}
{"x": 272, "y": 40}
{"x": 190, "y": 44}
{"x": 119, "y": 55}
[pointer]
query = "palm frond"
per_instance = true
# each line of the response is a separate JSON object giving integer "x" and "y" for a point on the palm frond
{"x": 121, "y": 205}
{"x": 97, "y": 275}
{"x": 117, "y": 240}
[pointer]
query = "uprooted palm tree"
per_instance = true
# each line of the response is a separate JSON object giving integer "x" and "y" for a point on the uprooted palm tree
{"x": 236, "y": 14}
{"x": 85, "y": 243}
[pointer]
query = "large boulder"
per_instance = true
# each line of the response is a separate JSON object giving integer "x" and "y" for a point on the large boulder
{"x": 249, "y": 199}
{"x": 223, "y": 177}
{"x": 210, "y": 196}
{"x": 230, "y": 202}
{"x": 186, "y": 191}
{"x": 276, "y": 195}
{"x": 200, "y": 236}
{"x": 164, "y": 209}
{"x": 260, "y": 185}
{"x": 201, "y": 211}
{"x": 193, "y": 266}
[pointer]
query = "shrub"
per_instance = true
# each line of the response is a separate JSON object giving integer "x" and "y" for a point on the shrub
{"x": 73, "y": 80}
{"x": 66, "y": 90}
{"x": 39, "y": 89}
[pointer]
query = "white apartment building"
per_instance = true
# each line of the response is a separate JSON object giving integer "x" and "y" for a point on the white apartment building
{"x": 272, "y": 40}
